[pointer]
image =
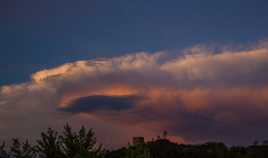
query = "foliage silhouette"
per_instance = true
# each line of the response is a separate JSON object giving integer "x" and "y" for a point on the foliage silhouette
{"x": 21, "y": 150}
{"x": 163, "y": 148}
{"x": 83, "y": 144}
{"x": 3, "y": 152}
{"x": 49, "y": 146}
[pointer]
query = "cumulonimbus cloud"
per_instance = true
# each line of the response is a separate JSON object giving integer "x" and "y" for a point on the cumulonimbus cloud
{"x": 199, "y": 95}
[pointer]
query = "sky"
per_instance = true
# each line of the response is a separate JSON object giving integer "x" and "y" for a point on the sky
{"x": 194, "y": 68}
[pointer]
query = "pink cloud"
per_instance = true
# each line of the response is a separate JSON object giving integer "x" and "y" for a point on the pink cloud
{"x": 197, "y": 96}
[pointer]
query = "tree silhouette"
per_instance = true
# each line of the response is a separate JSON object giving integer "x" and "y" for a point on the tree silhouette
{"x": 49, "y": 145}
{"x": 3, "y": 152}
{"x": 81, "y": 144}
{"x": 21, "y": 150}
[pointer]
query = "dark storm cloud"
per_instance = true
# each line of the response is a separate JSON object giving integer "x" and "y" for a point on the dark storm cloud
{"x": 101, "y": 103}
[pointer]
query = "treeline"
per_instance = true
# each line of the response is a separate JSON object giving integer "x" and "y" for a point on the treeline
{"x": 68, "y": 144}
{"x": 83, "y": 144}
{"x": 163, "y": 148}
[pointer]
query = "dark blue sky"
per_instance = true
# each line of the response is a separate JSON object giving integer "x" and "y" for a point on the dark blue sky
{"x": 38, "y": 34}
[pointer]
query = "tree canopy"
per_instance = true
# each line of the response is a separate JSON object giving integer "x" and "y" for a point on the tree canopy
{"x": 83, "y": 144}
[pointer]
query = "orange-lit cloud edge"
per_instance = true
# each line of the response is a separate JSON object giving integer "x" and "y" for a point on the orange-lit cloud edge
{"x": 199, "y": 95}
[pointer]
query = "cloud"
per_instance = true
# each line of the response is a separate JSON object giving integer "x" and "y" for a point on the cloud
{"x": 201, "y": 94}
{"x": 98, "y": 103}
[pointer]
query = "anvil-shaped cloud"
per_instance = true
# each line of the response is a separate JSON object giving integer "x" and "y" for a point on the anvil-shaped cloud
{"x": 199, "y": 95}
